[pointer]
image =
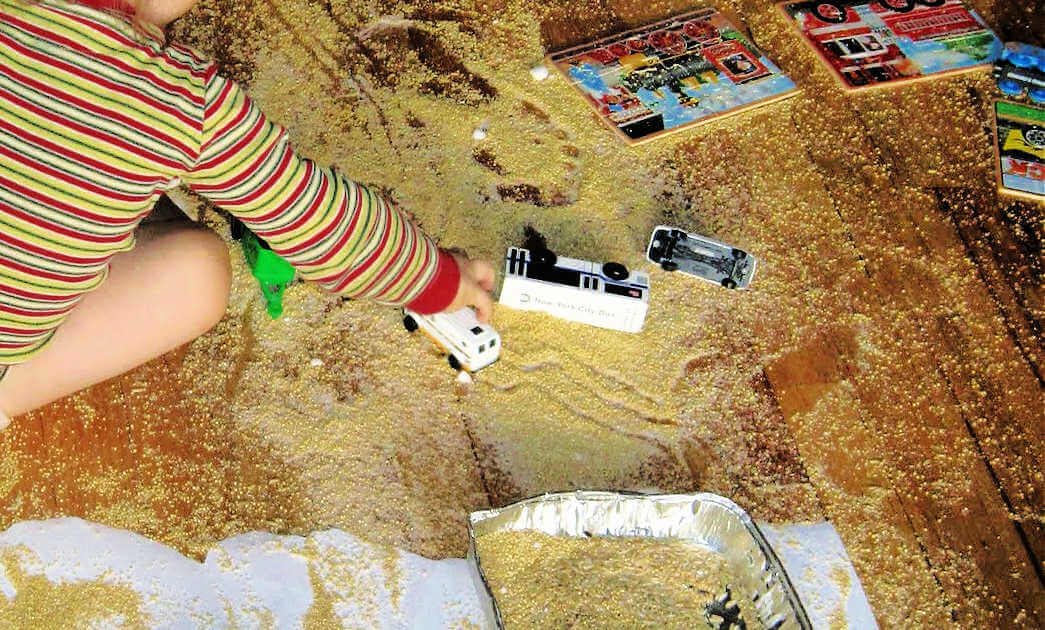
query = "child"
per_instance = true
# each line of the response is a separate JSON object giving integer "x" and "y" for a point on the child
{"x": 98, "y": 116}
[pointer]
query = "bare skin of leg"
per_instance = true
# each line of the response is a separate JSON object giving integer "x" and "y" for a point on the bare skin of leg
{"x": 171, "y": 288}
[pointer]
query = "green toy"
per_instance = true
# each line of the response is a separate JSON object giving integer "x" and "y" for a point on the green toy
{"x": 273, "y": 273}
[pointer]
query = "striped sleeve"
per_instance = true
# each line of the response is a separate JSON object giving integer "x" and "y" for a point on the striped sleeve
{"x": 334, "y": 231}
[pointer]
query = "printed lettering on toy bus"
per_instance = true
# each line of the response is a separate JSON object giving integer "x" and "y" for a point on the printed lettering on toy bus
{"x": 1023, "y": 168}
{"x": 525, "y": 298}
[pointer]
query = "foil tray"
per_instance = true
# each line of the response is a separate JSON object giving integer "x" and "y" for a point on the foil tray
{"x": 707, "y": 520}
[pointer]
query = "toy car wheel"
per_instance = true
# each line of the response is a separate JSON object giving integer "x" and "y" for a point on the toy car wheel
{"x": 669, "y": 265}
{"x": 543, "y": 257}
{"x": 738, "y": 253}
{"x": 454, "y": 363}
{"x": 409, "y": 323}
{"x": 615, "y": 271}
{"x": 830, "y": 12}
{"x": 729, "y": 283}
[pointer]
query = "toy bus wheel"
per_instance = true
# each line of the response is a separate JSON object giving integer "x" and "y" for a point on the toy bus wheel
{"x": 236, "y": 230}
{"x": 669, "y": 265}
{"x": 900, "y": 6}
{"x": 454, "y": 363}
{"x": 409, "y": 323}
{"x": 615, "y": 271}
{"x": 1009, "y": 87}
{"x": 729, "y": 283}
{"x": 830, "y": 12}
{"x": 543, "y": 257}
{"x": 738, "y": 253}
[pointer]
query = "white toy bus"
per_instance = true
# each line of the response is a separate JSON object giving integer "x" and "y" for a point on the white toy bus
{"x": 606, "y": 295}
{"x": 469, "y": 345}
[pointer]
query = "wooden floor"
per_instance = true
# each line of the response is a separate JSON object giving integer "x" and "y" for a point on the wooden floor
{"x": 935, "y": 442}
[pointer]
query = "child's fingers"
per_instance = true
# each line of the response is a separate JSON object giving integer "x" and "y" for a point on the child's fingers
{"x": 477, "y": 277}
{"x": 483, "y": 304}
{"x": 482, "y": 271}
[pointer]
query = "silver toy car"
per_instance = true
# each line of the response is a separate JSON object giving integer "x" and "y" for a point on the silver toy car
{"x": 701, "y": 257}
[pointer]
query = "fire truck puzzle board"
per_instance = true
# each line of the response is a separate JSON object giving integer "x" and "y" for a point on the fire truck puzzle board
{"x": 671, "y": 75}
{"x": 1019, "y": 147}
{"x": 869, "y": 43}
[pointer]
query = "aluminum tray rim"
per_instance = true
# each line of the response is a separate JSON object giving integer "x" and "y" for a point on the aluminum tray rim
{"x": 477, "y": 517}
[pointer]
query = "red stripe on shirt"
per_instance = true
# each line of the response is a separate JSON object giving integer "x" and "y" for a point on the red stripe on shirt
{"x": 117, "y": 63}
{"x": 360, "y": 269}
{"x": 50, "y": 226}
{"x": 293, "y": 198}
{"x": 76, "y": 182}
{"x": 92, "y": 132}
{"x": 50, "y": 253}
{"x": 306, "y": 216}
{"x": 83, "y": 104}
{"x": 219, "y": 100}
{"x": 31, "y": 295}
{"x": 72, "y": 156}
{"x": 51, "y": 202}
{"x": 249, "y": 136}
{"x": 391, "y": 262}
{"x": 336, "y": 248}
{"x": 109, "y": 33}
{"x": 420, "y": 276}
{"x": 40, "y": 273}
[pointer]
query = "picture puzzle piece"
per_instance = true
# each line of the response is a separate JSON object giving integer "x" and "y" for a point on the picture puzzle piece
{"x": 1020, "y": 149}
{"x": 867, "y": 43}
{"x": 672, "y": 75}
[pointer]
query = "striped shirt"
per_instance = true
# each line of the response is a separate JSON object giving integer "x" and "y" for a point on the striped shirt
{"x": 98, "y": 118}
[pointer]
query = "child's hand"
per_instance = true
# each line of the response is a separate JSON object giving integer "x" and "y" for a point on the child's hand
{"x": 474, "y": 287}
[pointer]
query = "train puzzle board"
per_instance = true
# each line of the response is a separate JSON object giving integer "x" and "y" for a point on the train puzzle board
{"x": 1019, "y": 148}
{"x": 672, "y": 75}
{"x": 869, "y": 43}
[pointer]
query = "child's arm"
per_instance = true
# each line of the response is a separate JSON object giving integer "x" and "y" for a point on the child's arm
{"x": 334, "y": 231}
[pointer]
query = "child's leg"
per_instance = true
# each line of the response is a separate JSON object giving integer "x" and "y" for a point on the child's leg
{"x": 4, "y": 419}
{"x": 171, "y": 288}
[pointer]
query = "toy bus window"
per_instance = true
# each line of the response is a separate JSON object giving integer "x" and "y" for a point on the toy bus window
{"x": 834, "y": 48}
{"x": 556, "y": 275}
{"x": 853, "y": 46}
{"x": 482, "y": 347}
{"x": 879, "y": 73}
{"x": 871, "y": 43}
{"x": 493, "y": 342}
{"x": 477, "y": 331}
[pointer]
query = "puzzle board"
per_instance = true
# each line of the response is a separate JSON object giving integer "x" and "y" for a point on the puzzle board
{"x": 671, "y": 75}
{"x": 1019, "y": 148}
{"x": 868, "y": 43}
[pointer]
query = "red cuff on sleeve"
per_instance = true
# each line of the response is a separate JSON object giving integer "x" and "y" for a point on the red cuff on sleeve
{"x": 441, "y": 289}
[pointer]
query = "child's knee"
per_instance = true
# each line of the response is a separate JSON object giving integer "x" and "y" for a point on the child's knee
{"x": 208, "y": 257}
